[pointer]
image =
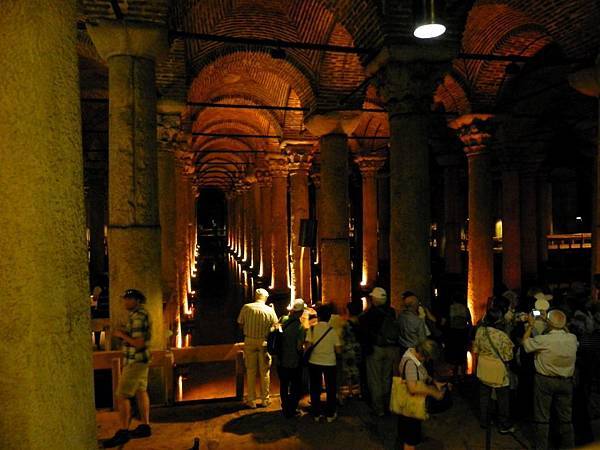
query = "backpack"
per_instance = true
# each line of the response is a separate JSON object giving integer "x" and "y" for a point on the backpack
{"x": 275, "y": 339}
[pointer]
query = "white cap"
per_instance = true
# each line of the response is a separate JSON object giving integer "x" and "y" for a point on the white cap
{"x": 261, "y": 294}
{"x": 298, "y": 305}
{"x": 542, "y": 296}
{"x": 379, "y": 296}
{"x": 542, "y": 305}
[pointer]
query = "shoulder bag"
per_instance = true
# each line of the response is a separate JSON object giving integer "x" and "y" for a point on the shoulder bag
{"x": 402, "y": 402}
{"x": 492, "y": 371}
{"x": 309, "y": 350}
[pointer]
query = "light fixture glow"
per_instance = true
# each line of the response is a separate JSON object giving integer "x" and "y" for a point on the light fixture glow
{"x": 427, "y": 17}
{"x": 429, "y": 30}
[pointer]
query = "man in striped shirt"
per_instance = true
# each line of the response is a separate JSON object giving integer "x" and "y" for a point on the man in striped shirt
{"x": 256, "y": 320}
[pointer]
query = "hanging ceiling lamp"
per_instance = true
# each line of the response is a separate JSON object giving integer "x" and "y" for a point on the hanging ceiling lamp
{"x": 427, "y": 19}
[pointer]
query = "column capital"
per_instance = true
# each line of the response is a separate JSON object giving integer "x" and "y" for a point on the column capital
{"x": 128, "y": 38}
{"x": 587, "y": 81}
{"x": 278, "y": 165}
{"x": 170, "y": 135}
{"x": 299, "y": 155}
{"x": 475, "y": 132}
{"x": 333, "y": 122}
{"x": 263, "y": 176}
{"x": 406, "y": 75}
{"x": 369, "y": 165}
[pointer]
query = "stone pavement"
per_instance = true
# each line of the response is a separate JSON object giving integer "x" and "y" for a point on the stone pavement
{"x": 228, "y": 425}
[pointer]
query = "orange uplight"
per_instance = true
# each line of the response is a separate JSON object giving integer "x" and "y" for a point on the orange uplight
{"x": 179, "y": 388}
{"x": 469, "y": 363}
{"x": 178, "y": 337}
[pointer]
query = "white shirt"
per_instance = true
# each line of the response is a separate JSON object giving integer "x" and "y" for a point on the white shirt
{"x": 554, "y": 353}
{"x": 324, "y": 353}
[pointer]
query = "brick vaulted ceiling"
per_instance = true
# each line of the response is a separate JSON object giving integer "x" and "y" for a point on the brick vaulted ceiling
{"x": 215, "y": 72}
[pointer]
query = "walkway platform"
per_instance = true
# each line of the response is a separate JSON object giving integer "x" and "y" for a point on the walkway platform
{"x": 229, "y": 425}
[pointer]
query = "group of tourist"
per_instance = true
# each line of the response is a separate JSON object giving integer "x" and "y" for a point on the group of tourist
{"x": 542, "y": 348}
{"x": 526, "y": 359}
{"x": 546, "y": 349}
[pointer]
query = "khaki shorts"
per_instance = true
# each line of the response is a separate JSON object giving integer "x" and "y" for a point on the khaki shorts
{"x": 134, "y": 378}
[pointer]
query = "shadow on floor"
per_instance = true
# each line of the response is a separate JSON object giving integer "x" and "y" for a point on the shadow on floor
{"x": 195, "y": 413}
{"x": 265, "y": 427}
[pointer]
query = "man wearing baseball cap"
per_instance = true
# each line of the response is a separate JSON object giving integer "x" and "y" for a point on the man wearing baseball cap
{"x": 555, "y": 353}
{"x": 381, "y": 329}
{"x": 256, "y": 320}
{"x": 134, "y": 378}
{"x": 289, "y": 367}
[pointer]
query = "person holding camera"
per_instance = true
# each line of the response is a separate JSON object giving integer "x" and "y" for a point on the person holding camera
{"x": 554, "y": 353}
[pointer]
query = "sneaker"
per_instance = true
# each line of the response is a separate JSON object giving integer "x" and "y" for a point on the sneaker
{"x": 506, "y": 430}
{"x": 250, "y": 404}
{"x": 121, "y": 437}
{"x": 332, "y": 418}
{"x": 317, "y": 418}
{"x": 142, "y": 431}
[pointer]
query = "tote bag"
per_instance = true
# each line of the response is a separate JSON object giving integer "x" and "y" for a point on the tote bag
{"x": 491, "y": 370}
{"x": 404, "y": 403}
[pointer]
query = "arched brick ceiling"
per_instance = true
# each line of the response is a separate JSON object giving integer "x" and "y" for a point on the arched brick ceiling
{"x": 451, "y": 96}
{"x": 573, "y": 24}
{"x": 371, "y": 124}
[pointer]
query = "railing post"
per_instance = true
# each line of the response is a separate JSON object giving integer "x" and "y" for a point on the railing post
{"x": 239, "y": 375}
{"x": 116, "y": 375}
{"x": 168, "y": 368}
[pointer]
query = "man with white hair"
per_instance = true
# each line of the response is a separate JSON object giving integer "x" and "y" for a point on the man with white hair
{"x": 256, "y": 320}
{"x": 381, "y": 329}
{"x": 555, "y": 353}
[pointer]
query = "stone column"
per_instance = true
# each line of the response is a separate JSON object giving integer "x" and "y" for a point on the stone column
{"x": 545, "y": 226}
{"x": 96, "y": 213}
{"x": 475, "y": 131}
{"x": 248, "y": 222}
{"x": 369, "y": 165}
{"x": 256, "y": 221}
{"x": 46, "y": 390}
{"x": 181, "y": 239}
{"x": 170, "y": 138}
{"x": 511, "y": 228}
{"x": 406, "y": 84}
{"x": 264, "y": 182}
{"x": 279, "y": 223}
{"x": 299, "y": 156}
{"x": 529, "y": 245}
{"x": 452, "y": 213}
{"x": 587, "y": 82}
{"x": 315, "y": 177}
{"x": 134, "y": 239}
{"x": 383, "y": 220}
{"x": 333, "y": 129}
